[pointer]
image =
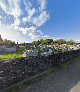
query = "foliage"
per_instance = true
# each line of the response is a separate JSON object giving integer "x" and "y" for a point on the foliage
{"x": 21, "y": 49}
{"x": 6, "y": 42}
{"x": 50, "y": 41}
{"x": 47, "y": 41}
{"x": 61, "y": 41}
{"x": 71, "y": 42}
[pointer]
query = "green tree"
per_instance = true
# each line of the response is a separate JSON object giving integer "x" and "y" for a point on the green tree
{"x": 71, "y": 42}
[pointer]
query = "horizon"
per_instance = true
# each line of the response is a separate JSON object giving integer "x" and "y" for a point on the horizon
{"x": 29, "y": 20}
{"x": 39, "y": 40}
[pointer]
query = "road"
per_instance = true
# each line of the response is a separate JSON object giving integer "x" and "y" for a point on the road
{"x": 65, "y": 80}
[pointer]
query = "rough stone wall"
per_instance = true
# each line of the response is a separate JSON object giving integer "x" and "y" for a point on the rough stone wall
{"x": 11, "y": 50}
{"x": 18, "y": 69}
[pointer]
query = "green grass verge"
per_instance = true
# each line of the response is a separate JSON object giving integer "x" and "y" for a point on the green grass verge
{"x": 10, "y": 56}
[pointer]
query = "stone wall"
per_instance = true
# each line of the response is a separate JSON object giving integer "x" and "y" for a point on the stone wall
{"x": 11, "y": 50}
{"x": 5, "y": 49}
{"x": 16, "y": 70}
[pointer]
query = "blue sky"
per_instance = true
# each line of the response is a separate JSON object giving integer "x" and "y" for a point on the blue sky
{"x": 64, "y": 19}
{"x": 29, "y": 20}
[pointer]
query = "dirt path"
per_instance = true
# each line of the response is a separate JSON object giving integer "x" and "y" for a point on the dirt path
{"x": 67, "y": 80}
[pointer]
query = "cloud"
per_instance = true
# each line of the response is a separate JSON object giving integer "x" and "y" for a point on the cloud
{"x": 42, "y": 5}
{"x": 28, "y": 30}
{"x": 40, "y": 32}
{"x": 25, "y": 20}
{"x": 46, "y": 37}
{"x": 11, "y": 7}
{"x": 1, "y": 17}
{"x": 31, "y": 12}
{"x": 12, "y": 34}
{"x": 41, "y": 19}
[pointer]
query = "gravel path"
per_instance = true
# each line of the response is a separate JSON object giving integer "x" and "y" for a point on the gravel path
{"x": 67, "y": 80}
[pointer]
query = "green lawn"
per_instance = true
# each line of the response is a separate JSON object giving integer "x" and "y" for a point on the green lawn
{"x": 21, "y": 49}
{"x": 18, "y": 54}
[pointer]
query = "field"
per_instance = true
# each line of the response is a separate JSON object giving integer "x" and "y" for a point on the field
{"x": 18, "y": 54}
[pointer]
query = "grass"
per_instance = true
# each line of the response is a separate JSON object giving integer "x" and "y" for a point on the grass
{"x": 18, "y": 54}
{"x": 21, "y": 49}
{"x": 10, "y": 56}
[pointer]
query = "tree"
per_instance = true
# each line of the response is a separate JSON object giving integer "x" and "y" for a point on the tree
{"x": 61, "y": 41}
{"x": 71, "y": 42}
{"x": 7, "y": 42}
{"x": 48, "y": 41}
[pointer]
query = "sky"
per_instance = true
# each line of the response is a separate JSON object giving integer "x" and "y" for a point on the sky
{"x": 29, "y": 20}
